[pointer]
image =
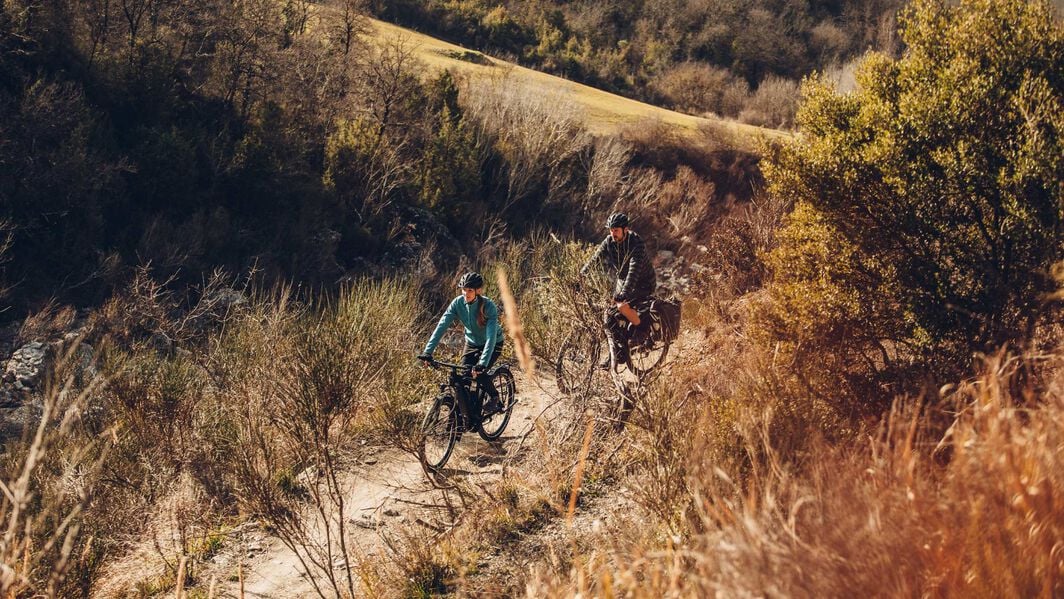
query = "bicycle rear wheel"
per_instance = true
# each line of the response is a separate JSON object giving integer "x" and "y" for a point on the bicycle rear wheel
{"x": 439, "y": 430}
{"x": 491, "y": 427}
{"x": 577, "y": 359}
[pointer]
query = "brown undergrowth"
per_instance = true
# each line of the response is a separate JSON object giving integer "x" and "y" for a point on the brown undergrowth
{"x": 974, "y": 510}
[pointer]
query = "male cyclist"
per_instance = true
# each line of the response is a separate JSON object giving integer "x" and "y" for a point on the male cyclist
{"x": 624, "y": 254}
{"x": 483, "y": 336}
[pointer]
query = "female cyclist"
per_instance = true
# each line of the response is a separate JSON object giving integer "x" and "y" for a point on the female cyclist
{"x": 483, "y": 335}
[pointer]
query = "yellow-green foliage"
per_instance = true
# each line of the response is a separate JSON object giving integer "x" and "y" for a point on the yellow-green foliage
{"x": 928, "y": 202}
{"x": 449, "y": 175}
{"x": 814, "y": 295}
{"x": 352, "y": 153}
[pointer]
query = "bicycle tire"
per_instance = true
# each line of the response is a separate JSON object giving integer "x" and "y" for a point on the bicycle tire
{"x": 642, "y": 369}
{"x": 496, "y": 423}
{"x": 577, "y": 359}
{"x": 439, "y": 428}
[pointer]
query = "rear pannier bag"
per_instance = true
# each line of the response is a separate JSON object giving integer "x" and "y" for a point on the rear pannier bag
{"x": 669, "y": 315}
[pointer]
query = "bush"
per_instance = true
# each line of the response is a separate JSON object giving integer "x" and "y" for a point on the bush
{"x": 692, "y": 87}
{"x": 734, "y": 97}
{"x": 773, "y": 104}
{"x": 449, "y": 173}
{"x": 928, "y": 203}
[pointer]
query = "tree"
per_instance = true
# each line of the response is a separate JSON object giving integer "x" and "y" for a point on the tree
{"x": 448, "y": 176}
{"x": 929, "y": 201}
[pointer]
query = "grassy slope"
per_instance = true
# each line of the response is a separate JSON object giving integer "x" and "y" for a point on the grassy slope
{"x": 603, "y": 112}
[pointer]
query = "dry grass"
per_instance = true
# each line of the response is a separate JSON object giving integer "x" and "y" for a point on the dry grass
{"x": 742, "y": 485}
{"x": 974, "y": 512}
{"x": 49, "y": 480}
{"x": 213, "y": 411}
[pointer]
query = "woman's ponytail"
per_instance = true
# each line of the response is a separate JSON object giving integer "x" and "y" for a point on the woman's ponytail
{"x": 482, "y": 317}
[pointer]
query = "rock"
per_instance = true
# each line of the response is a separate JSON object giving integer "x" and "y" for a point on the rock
{"x": 85, "y": 362}
{"x": 19, "y": 414}
{"x": 307, "y": 477}
{"x": 254, "y": 548}
{"x": 27, "y": 365}
{"x": 363, "y": 523}
{"x": 369, "y": 461}
{"x": 227, "y": 298}
{"x": 391, "y": 512}
{"x": 213, "y": 308}
{"x": 664, "y": 257}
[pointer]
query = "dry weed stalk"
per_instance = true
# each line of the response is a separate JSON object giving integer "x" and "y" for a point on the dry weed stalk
{"x": 47, "y": 492}
{"x": 515, "y": 328}
{"x": 578, "y": 476}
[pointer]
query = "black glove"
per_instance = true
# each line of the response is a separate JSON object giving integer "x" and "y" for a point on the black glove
{"x": 619, "y": 299}
{"x": 478, "y": 370}
{"x": 425, "y": 357}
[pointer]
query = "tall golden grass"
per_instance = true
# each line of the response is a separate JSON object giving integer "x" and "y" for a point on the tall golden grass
{"x": 972, "y": 510}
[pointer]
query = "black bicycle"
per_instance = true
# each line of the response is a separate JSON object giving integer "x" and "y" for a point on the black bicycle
{"x": 449, "y": 415}
{"x": 648, "y": 343}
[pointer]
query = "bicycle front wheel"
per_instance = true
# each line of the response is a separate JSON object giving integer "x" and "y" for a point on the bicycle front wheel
{"x": 439, "y": 430}
{"x": 492, "y": 426}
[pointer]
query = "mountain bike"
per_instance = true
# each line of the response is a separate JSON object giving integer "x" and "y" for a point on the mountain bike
{"x": 581, "y": 351}
{"x": 450, "y": 413}
{"x": 648, "y": 345}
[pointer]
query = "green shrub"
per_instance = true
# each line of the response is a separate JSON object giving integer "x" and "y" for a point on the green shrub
{"x": 448, "y": 176}
{"x": 928, "y": 202}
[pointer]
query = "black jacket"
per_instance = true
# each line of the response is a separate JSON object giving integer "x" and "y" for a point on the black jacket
{"x": 628, "y": 259}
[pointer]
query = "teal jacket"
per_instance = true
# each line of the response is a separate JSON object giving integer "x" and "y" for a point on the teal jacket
{"x": 487, "y": 336}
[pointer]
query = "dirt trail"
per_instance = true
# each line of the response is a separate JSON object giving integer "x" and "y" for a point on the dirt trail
{"x": 387, "y": 494}
{"x": 386, "y": 491}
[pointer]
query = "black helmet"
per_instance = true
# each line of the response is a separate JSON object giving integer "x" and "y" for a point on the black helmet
{"x": 472, "y": 280}
{"x": 617, "y": 219}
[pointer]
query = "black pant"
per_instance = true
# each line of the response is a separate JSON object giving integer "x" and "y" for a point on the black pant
{"x": 470, "y": 357}
{"x": 619, "y": 329}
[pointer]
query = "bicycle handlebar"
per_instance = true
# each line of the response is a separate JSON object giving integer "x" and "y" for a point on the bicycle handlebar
{"x": 440, "y": 365}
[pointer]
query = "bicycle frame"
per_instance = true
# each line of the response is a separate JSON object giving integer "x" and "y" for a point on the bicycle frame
{"x": 460, "y": 382}
{"x": 644, "y": 327}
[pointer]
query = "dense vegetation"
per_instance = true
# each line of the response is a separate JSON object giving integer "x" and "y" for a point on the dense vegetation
{"x": 928, "y": 206}
{"x": 868, "y": 396}
{"x": 252, "y": 136}
{"x": 739, "y": 59}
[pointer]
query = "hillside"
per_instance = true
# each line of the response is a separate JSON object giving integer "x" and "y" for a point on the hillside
{"x": 602, "y": 112}
{"x": 737, "y": 59}
{"x": 228, "y": 229}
